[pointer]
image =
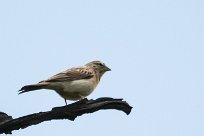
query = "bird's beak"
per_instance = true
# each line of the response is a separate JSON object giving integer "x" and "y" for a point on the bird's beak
{"x": 108, "y": 69}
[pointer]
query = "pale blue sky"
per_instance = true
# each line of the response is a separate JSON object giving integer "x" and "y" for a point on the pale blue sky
{"x": 154, "y": 48}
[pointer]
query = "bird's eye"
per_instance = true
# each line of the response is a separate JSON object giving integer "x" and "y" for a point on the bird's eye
{"x": 100, "y": 64}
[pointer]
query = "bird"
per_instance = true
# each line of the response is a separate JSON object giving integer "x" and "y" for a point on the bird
{"x": 73, "y": 84}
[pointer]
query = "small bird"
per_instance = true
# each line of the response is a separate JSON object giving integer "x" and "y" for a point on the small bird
{"x": 73, "y": 84}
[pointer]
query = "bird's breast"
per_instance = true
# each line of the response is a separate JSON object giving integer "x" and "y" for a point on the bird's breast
{"x": 82, "y": 86}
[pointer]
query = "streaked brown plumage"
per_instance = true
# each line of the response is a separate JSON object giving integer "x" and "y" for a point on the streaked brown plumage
{"x": 72, "y": 84}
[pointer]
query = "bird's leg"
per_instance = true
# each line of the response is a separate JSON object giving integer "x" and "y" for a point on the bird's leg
{"x": 65, "y": 101}
{"x": 81, "y": 97}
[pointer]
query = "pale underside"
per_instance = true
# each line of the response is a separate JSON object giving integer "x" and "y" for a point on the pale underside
{"x": 73, "y": 90}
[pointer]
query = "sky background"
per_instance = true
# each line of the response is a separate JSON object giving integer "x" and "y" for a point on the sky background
{"x": 154, "y": 48}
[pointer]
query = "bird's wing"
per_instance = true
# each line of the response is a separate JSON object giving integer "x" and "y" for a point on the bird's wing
{"x": 71, "y": 74}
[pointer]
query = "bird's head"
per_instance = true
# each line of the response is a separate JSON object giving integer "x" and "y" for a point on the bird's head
{"x": 98, "y": 66}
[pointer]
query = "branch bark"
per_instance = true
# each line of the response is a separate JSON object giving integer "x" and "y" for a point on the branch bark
{"x": 7, "y": 124}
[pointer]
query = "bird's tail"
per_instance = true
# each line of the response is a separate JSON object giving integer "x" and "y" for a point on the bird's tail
{"x": 29, "y": 88}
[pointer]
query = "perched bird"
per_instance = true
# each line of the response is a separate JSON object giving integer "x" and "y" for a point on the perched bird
{"x": 73, "y": 84}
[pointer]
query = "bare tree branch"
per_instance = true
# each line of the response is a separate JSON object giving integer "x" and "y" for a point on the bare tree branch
{"x": 7, "y": 124}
